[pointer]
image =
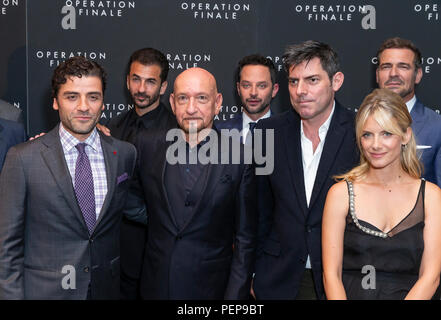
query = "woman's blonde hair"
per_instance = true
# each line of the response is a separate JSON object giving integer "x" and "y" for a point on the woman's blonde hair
{"x": 391, "y": 113}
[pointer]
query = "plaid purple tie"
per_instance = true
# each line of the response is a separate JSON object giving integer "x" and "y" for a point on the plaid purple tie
{"x": 84, "y": 187}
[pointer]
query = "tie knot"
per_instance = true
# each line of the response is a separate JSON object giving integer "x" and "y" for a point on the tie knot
{"x": 252, "y": 125}
{"x": 81, "y": 147}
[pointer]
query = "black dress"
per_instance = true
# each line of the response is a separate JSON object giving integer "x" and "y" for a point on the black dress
{"x": 379, "y": 265}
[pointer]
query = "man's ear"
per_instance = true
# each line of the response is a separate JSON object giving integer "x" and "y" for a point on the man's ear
{"x": 55, "y": 104}
{"x": 172, "y": 102}
{"x": 275, "y": 90}
{"x": 163, "y": 87}
{"x": 419, "y": 75}
{"x": 218, "y": 103}
{"x": 337, "y": 81}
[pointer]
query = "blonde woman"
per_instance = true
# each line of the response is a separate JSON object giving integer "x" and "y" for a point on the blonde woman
{"x": 381, "y": 231}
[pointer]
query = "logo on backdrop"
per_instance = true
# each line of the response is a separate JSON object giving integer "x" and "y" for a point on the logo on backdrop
{"x": 113, "y": 109}
{"x": 92, "y": 8}
{"x": 54, "y": 57}
{"x": 278, "y": 63}
{"x": 228, "y": 112}
{"x": 183, "y": 61}
{"x": 6, "y": 4}
{"x": 431, "y": 11}
{"x": 209, "y": 10}
{"x": 366, "y": 14}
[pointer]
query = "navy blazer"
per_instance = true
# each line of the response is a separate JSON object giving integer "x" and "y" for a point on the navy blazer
{"x": 427, "y": 129}
{"x": 292, "y": 230}
{"x": 11, "y": 133}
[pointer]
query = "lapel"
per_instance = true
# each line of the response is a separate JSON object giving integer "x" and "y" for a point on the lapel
{"x": 291, "y": 137}
{"x": 110, "y": 154}
{"x": 334, "y": 139}
{"x": 161, "y": 164}
{"x": 417, "y": 114}
{"x": 54, "y": 158}
{"x": 2, "y": 144}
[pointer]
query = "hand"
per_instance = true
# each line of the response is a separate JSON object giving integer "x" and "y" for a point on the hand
{"x": 252, "y": 289}
{"x": 103, "y": 129}
{"x": 37, "y": 136}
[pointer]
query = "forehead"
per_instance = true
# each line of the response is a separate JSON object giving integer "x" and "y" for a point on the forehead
{"x": 255, "y": 73}
{"x": 397, "y": 55}
{"x": 84, "y": 84}
{"x": 145, "y": 71}
{"x": 192, "y": 84}
{"x": 307, "y": 68}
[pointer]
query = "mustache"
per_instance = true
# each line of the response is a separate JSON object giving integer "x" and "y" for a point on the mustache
{"x": 394, "y": 79}
{"x": 142, "y": 95}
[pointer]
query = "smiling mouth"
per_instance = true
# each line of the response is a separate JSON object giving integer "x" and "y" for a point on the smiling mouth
{"x": 377, "y": 155}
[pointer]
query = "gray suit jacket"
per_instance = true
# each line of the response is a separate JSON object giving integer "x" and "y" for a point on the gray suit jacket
{"x": 45, "y": 248}
{"x": 9, "y": 112}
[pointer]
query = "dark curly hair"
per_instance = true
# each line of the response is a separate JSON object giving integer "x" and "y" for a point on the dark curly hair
{"x": 76, "y": 67}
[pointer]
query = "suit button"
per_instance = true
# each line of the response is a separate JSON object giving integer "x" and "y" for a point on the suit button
{"x": 187, "y": 203}
{"x": 178, "y": 237}
{"x": 308, "y": 229}
{"x": 86, "y": 269}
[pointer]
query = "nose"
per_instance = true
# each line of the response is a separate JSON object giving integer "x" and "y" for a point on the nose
{"x": 393, "y": 71}
{"x": 142, "y": 86}
{"x": 253, "y": 90}
{"x": 83, "y": 106}
{"x": 301, "y": 88}
{"x": 376, "y": 142}
{"x": 191, "y": 107}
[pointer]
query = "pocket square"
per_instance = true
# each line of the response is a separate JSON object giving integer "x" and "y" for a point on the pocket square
{"x": 226, "y": 178}
{"x": 122, "y": 178}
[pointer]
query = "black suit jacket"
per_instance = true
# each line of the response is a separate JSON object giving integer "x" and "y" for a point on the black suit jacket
{"x": 11, "y": 133}
{"x": 197, "y": 261}
{"x": 291, "y": 230}
{"x": 133, "y": 234}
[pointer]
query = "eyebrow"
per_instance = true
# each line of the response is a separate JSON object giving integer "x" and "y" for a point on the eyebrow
{"x": 138, "y": 76}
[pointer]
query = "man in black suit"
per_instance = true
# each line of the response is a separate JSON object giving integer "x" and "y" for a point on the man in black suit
{"x": 197, "y": 211}
{"x": 11, "y": 133}
{"x": 313, "y": 142}
{"x": 146, "y": 82}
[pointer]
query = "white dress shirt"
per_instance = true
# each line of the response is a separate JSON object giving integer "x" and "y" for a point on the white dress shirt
{"x": 246, "y": 123}
{"x": 411, "y": 103}
{"x": 311, "y": 159}
{"x": 95, "y": 154}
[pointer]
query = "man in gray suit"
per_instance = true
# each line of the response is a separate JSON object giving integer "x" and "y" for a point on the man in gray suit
{"x": 61, "y": 196}
{"x": 9, "y": 112}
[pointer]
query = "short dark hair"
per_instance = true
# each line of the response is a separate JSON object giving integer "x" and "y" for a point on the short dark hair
{"x": 150, "y": 56}
{"x": 257, "y": 60}
{"x": 400, "y": 43}
{"x": 308, "y": 50}
{"x": 76, "y": 67}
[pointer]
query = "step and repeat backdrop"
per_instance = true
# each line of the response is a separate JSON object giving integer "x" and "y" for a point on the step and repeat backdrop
{"x": 37, "y": 35}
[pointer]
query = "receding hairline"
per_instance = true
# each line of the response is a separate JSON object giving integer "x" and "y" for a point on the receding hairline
{"x": 197, "y": 72}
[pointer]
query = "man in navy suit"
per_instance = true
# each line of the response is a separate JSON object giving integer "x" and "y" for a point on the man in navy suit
{"x": 312, "y": 142}
{"x": 256, "y": 87}
{"x": 11, "y": 133}
{"x": 399, "y": 69}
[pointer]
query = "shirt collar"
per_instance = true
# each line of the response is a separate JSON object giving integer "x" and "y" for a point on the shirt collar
{"x": 246, "y": 119}
{"x": 411, "y": 103}
{"x": 68, "y": 141}
{"x": 323, "y": 130}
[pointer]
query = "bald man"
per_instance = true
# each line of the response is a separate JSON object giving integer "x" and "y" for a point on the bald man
{"x": 197, "y": 211}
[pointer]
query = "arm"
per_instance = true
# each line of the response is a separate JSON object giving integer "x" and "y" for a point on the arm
{"x": 239, "y": 282}
{"x": 430, "y": 268}
{"x": 333, "y": 228}
{"x": 12, "y": 223}
{"x": 437, "y": 166}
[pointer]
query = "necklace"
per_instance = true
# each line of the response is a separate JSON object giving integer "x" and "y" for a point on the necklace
{"x": 354, "y": 216}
